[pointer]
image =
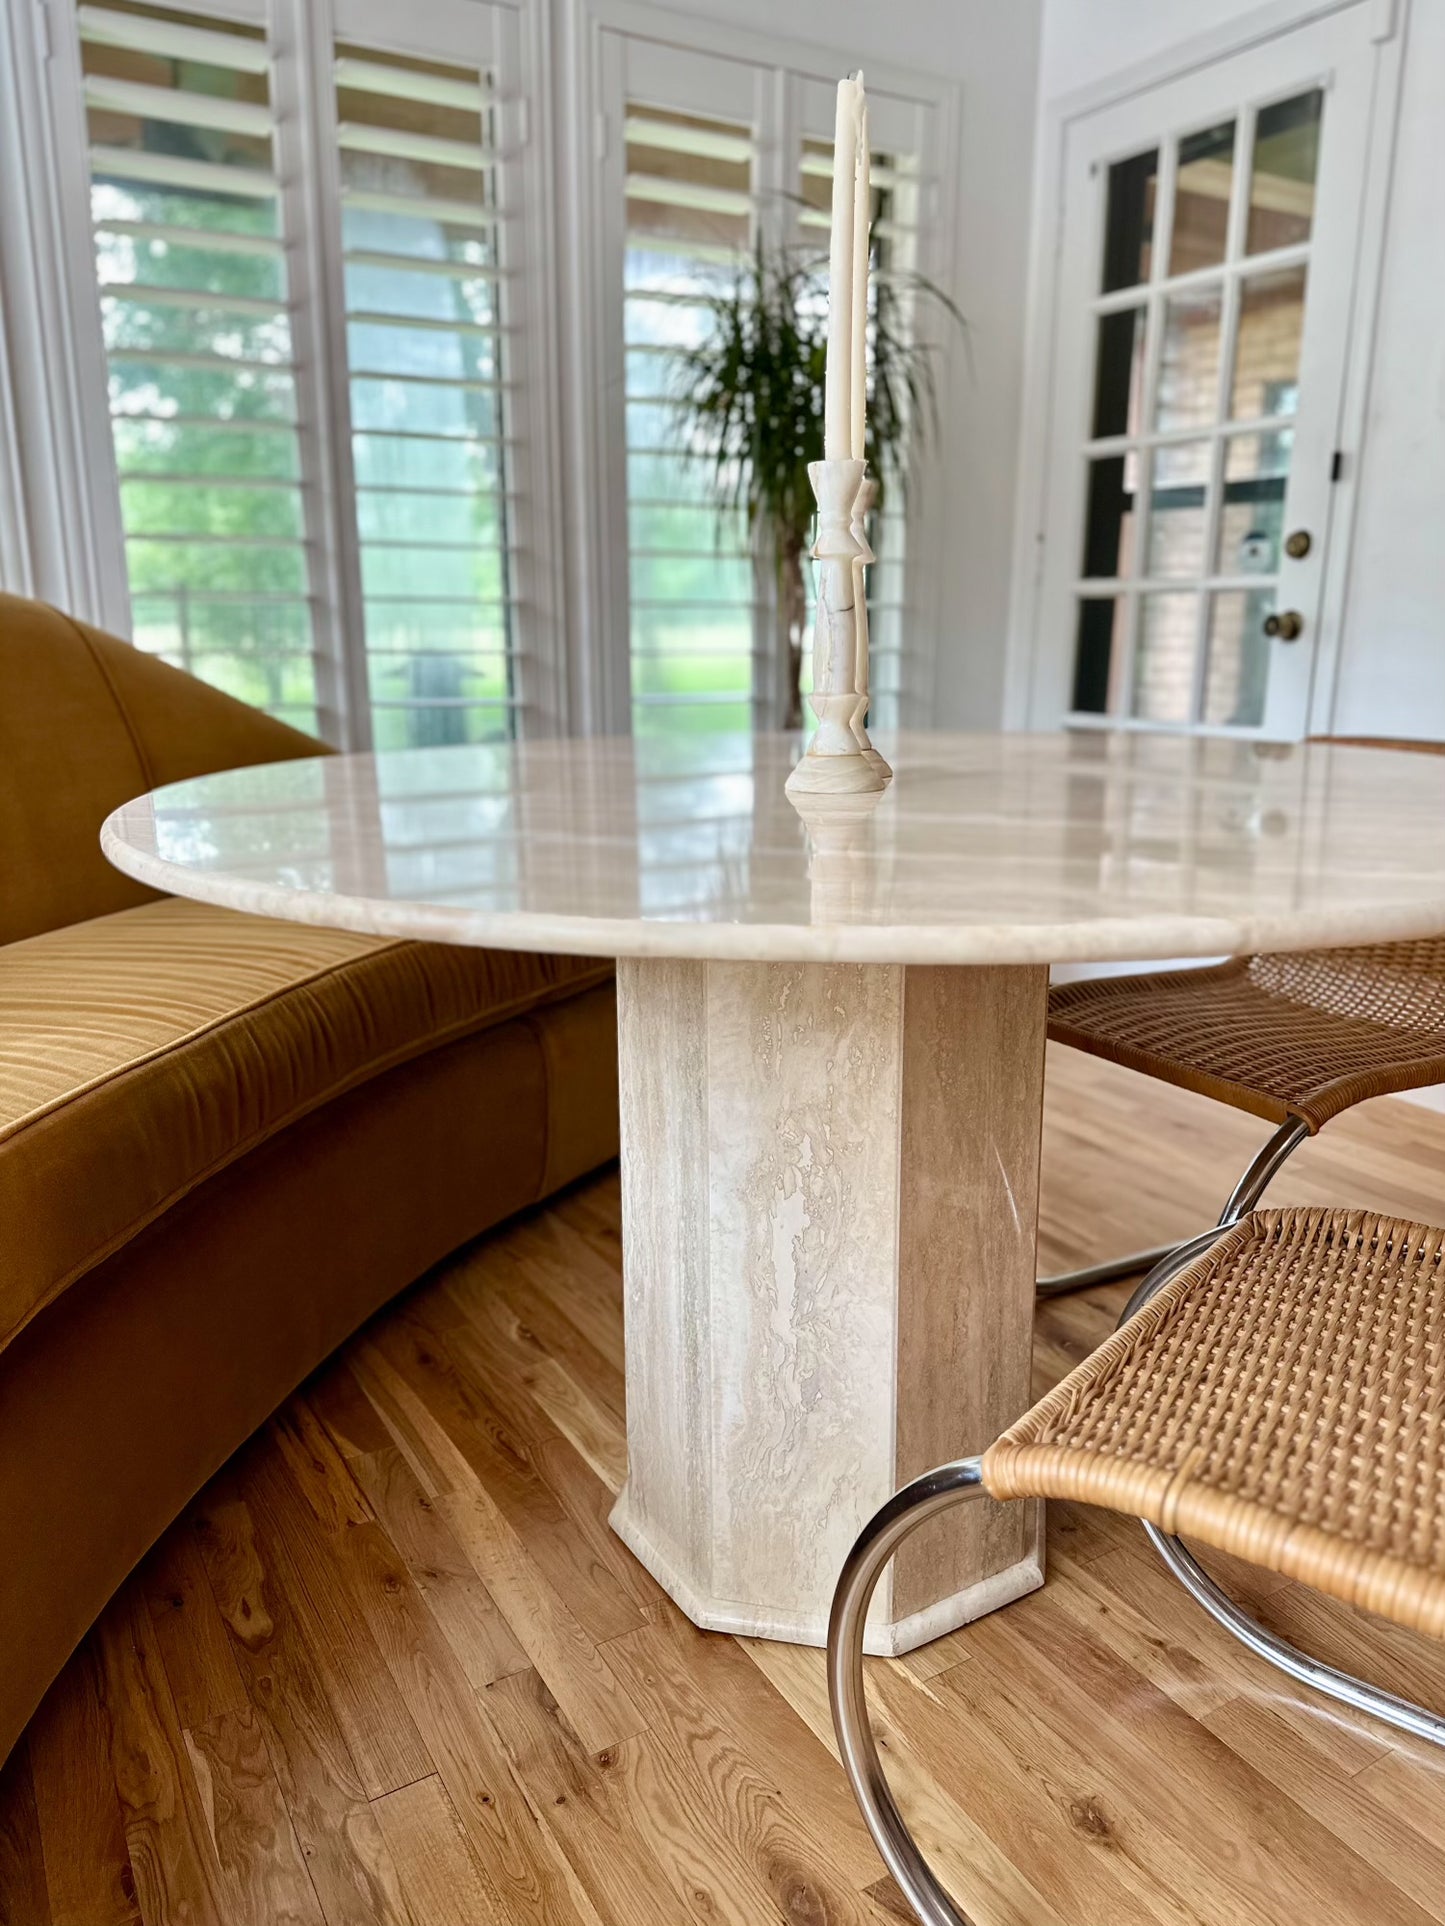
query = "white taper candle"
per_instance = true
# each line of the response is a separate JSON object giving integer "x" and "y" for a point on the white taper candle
{"x": 837, "y": 384}
{"x": 862, "y": 210}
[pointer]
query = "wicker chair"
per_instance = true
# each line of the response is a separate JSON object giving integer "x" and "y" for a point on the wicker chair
{"x": 1274, "y": 1390}
{"x": 1294, "y": 1038}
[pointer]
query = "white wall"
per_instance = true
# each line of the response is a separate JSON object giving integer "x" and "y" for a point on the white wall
{"x": 1392, "y": 669}
{"x": 1391, "y": 673}
{"x": 1086, "y": 41}
{"x": 991, "y": 48}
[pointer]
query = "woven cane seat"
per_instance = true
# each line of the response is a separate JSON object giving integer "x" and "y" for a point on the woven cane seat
{"x": 1303, "y": 1034}
{"x": 1282, "y": 1399}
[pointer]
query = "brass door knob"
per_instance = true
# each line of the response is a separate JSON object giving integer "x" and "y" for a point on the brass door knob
{"x": 1286, "y": 624}
{"x": 1297, "y": 544}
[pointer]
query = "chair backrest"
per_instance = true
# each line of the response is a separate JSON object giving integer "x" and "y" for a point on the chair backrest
{"x": 1418, "y": 745}
{"x": 86, "y": 723}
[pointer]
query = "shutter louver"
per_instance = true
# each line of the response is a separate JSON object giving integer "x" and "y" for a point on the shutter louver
{"x": 690, "y": 185}
{"x": 427, "y": 368}
{"x": 191, "y": 265}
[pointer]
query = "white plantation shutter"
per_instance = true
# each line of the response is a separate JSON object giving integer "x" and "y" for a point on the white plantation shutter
{"x": 689, "y": 186}
{"x": 705, "y": 150}
{"x": 428, "y": 226}
{"x": 427, "y": 363}
{"x": 312, "y": 275}
{"x": 325, "y": 320}
{"x": 191, "y": 269}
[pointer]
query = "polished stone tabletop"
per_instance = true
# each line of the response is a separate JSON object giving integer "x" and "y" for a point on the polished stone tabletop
{"x": 1083, "y": 846}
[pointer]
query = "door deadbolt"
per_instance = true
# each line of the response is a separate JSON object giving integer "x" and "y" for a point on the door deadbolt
{"x": 1285, "y": 624}
{"x": 1298, "y": 544}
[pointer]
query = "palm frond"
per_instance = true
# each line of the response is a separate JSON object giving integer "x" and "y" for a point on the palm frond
{"x": 751, "y": 391}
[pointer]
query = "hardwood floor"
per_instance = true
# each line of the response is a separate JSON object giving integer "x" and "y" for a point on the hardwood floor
{"x": 392, "y": 1669}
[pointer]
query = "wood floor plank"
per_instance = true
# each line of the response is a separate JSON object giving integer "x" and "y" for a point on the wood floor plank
{"x": 557, "y": 1333}
{"x": 570, "y": 1526}
{"x": 433, "y": 1860}
{"x": 555, "y": 1386}
{"x": 566, "y": 1658}
{"x": 263, "y": 1871}
{"x": 1248, "y": 1854}
{"x": 1096, "y": 1853}
{"x": 82, "y": 1828}
{"x": 956, "y": 1837}
{"x": 1129, "y": 1602}
{"x": 318, "y": 1468}
{"x": 24, "y": 1896}
{"x": 346, "y": 1854}
{"x": 1370, "y": 1826}
{"x": 194, "y": 1645}
{"x": 785, "y": 1800}
{"x": 585, "y": 1288}
{"x": 177, "y": 1878}
{"x": 471, "y": 1623}
{"x": 380, "y": 1735}
{"x": 540, "y": 1619}
{"x": 529, "y": 1470}
{"x": 351, "y": 1420}
{"x": 623, "y": 1831}
{"x": 523, "y": 1875}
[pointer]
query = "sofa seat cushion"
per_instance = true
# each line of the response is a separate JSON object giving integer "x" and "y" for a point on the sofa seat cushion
{"x": 141, "y": 1052}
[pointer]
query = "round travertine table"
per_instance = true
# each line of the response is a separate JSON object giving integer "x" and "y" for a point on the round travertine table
{"x": 831, "y": 1047}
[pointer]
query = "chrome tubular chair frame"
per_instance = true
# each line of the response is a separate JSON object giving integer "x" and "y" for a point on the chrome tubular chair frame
{"x": 1242, "y": 1199}
{"x": 952, "y": 1484}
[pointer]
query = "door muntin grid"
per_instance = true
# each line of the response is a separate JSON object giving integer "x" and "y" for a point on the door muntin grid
{"x": 1198, "y": 322}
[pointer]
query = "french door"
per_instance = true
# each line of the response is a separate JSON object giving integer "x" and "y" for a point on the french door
{"x": 1210, "y": 228}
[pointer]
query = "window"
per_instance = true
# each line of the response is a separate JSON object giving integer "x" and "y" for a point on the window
{"x": 424, "y": 339}
{"x": 717, "y": 152}
{"x": 689, "y": 220}
{"x": 191, "y": 266}
{"x": 317, "y": 491}
{"x": 311, "y": 288}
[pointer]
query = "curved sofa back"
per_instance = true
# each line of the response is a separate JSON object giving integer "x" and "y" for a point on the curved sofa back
{"x": 86, "y": 723}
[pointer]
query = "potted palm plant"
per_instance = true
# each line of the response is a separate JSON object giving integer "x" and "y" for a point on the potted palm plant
{"x": 751, "y": 395}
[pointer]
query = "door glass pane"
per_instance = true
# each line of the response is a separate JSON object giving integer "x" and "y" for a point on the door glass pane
{"x": 1237, "y": 663}
{"x": 1164, "y": 657}
{"x": 1282, "y": 181}
{"x": 1189, "y": 359}
{"x": 1098, "y": 652}
{"x": 1129, "y": 220}
{"x": 1109, "y": 529}
{"x": 1119, "y": 373}
{"x": 1266, "y": 356}
{"x": 1201, "y": 199}
{"x": 1176, "y": 509}
{"x": 1251, "y": 521}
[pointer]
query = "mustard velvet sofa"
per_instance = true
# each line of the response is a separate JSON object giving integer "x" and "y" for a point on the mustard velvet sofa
{"x": 224, "y": 1141}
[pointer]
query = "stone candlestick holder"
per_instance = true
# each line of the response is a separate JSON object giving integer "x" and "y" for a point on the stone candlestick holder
{"x": 862, "y": 509}
{"x": 834, "y": 762}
